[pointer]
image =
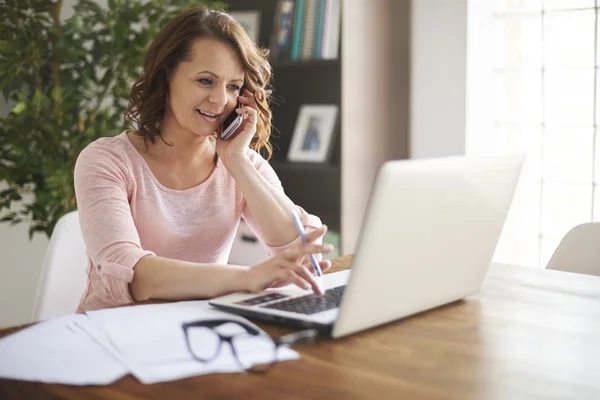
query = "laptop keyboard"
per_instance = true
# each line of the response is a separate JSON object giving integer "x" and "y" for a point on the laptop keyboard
{"x": 311, "y": 304}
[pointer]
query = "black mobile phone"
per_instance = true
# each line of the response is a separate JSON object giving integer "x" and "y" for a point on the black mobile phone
{"x": 231, "y": 124}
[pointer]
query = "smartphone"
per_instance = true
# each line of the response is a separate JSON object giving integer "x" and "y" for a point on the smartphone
{"x": 231, "y": 124}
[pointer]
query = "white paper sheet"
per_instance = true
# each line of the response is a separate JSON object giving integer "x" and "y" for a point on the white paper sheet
{"x": 56, "y": 351}
{"x": 103, "y": 346}
{"x": 150, "y": 340}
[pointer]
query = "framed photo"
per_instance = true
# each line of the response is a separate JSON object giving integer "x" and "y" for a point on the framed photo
{"x": 313, "y": 133}
{"x": 250, "y": 20}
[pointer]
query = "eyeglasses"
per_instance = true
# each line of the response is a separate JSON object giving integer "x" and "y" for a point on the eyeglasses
{"x": 254, "y": 351}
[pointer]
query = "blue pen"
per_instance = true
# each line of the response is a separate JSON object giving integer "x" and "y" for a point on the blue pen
{"x": 302, "y": 234}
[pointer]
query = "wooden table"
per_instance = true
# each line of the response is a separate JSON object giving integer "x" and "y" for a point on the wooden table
{"x": 529, "y": 334}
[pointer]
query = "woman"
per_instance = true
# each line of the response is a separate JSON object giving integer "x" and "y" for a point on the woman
{"x": 160, "y": 205}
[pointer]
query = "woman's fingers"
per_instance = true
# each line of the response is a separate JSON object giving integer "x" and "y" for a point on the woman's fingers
{"x": 307, "y": 276}
{"x": 249, "y": 105}
{"x": 300, "y": 275}
{"x": 292, "y": 273}
{"x": 246, "y": 110}
{"x": 325, "y": 265}
{"x": 298, "y": 252}
{"x": 315, "y": 234}
{"x": 247, "y": 99}
{"x": 249, "y": 113}
{"x": 294, "y": 266}
{"x": 248, "y": 95}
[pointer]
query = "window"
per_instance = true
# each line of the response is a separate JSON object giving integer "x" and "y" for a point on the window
{"x": 543, "y": 101}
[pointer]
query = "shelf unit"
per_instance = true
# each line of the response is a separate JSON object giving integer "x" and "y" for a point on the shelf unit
{"x": 313, "y": 186}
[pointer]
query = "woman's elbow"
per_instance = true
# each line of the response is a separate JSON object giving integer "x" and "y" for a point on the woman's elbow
{"x": 140, "y": 287}
{"x": 138, "y": 291}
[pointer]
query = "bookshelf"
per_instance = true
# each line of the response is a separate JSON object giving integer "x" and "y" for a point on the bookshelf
{"x": 313, "y": 186}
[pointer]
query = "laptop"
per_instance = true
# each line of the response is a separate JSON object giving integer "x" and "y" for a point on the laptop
{"x": 427, "y": 239}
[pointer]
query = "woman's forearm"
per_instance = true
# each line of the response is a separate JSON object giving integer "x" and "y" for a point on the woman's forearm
{"x": 167, "y": 279}
{"x": 270, "y": 208}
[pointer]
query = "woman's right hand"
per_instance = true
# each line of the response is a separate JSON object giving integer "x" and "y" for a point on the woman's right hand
{"x": 288, "y": 267}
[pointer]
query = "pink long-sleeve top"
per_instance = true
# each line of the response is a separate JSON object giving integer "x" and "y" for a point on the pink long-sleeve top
{"x": 126, "y": 213}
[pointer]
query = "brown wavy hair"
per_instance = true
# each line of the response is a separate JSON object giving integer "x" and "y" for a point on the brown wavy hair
{"x": 147, "y": 103}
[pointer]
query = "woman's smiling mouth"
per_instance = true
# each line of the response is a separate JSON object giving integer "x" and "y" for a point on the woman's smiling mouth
{"x": 208, "y": 116}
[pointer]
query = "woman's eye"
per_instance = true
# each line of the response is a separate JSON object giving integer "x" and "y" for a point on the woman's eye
{"x": 205, "y": 81}
{"x": 234, "y": 87}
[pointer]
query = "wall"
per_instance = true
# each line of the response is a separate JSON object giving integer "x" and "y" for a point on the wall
{"x": 375, "y": 100}
{"x": 438, "y": 78}
{"x": 19, "y": 272}
{"x": 403, "y": 91}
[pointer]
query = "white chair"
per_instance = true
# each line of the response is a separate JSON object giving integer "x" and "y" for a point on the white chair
{"x": 579, "y": 250}
{"x": 64, "y": 278}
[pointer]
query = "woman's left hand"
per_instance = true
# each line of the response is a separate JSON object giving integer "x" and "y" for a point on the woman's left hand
{"x": 237, "y": 146}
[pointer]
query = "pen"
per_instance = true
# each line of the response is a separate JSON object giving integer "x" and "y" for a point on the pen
{"x": 302, "y": 234}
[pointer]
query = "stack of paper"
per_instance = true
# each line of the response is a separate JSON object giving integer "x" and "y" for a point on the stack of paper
{"x": 58, "y": 351}
{"x": 102, "y": 346}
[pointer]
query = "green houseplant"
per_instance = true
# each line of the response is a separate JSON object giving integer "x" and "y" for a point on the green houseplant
{"x": 67, "y": 83}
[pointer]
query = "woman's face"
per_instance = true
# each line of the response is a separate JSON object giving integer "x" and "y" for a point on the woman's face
{"x": 203, "y": 91}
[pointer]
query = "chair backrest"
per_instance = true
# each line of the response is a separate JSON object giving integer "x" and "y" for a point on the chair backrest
{"x": 579, "y": 250}
{"x": 63, "y": 279}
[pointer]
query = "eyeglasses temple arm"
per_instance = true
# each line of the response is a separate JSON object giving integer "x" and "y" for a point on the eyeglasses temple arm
{"x": 295, "y": 337}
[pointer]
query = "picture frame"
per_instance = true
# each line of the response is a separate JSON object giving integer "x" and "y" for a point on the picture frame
{"x": 313, "y": 133}
{"x": 250, "y": 20}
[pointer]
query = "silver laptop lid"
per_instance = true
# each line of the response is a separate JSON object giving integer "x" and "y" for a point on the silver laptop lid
{"x": 428, "y": 236}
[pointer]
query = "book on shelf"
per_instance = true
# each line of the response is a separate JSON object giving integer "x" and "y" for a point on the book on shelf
{"x": 320, "y": 27}
{"x": 297, "y": 29}
{"x": 309, "y": 30}
{"x": 331, "y": 30}
{"x": 306, "y": 30}
{"x": 281, "y": 37}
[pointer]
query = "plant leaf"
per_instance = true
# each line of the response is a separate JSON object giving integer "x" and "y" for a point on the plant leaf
{"x": 19, "y": 108}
